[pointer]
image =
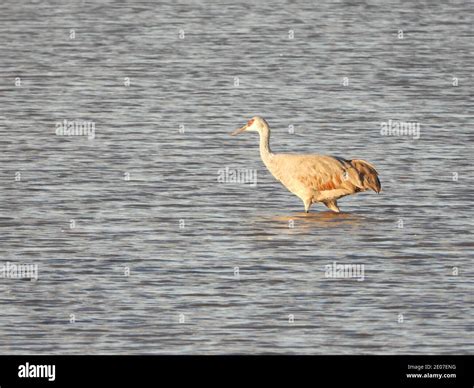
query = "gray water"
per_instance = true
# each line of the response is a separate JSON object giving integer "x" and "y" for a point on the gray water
{"x": 221, "y": 267}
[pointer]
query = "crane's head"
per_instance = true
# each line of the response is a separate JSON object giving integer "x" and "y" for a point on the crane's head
{"x": 255, "y": 124}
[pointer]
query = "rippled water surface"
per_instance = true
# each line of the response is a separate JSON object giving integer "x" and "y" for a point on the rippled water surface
{"x": 226, "y": 267}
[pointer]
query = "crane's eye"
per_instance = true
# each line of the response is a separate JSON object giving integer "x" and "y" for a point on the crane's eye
{"x": 250, "y": 122}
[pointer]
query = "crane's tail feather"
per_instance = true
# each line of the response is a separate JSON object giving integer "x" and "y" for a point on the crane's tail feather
{"x": 368, "y": 175}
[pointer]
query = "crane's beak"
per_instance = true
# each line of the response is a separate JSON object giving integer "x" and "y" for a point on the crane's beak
{"x": 237, "y": 131}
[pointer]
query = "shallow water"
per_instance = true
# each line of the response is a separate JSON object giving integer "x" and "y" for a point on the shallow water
{"x": 226, "y": 267}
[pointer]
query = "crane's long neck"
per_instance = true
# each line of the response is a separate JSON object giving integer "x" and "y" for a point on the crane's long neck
{"x": 265, "y": 151}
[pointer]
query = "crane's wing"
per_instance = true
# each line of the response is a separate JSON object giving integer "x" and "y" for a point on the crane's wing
{"x": 324, "y": 173}
{"x": 367, "y": 174}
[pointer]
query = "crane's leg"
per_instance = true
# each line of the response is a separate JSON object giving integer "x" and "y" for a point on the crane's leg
{"x": 307, "y": 204}
{"x": 332, "y": 204}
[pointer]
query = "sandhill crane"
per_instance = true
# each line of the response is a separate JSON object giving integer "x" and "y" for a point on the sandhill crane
{"x": 314, "y": 178}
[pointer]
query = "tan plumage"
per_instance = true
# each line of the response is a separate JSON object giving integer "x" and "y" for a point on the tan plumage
{"x": 314, "y": 178}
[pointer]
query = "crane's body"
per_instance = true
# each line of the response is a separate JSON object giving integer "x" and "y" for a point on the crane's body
{"x": 314, "y": 178}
